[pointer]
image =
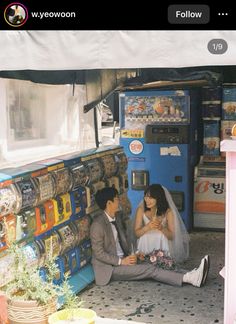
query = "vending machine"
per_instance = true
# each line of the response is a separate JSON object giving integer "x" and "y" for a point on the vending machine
{"x": 159, "y": 133}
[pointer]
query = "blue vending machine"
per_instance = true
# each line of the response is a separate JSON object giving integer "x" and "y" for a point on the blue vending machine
{"x": 159, "y": 136}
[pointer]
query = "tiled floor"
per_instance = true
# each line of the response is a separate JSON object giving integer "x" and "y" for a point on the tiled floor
{"x": 153, "y": 302}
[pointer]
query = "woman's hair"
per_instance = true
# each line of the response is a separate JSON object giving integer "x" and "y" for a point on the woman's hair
{"x": 157, "y": 192}
{"x": 102, "y": 196}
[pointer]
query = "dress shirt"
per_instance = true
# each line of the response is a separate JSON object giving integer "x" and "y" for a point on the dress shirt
{"x": 119, "y": 250}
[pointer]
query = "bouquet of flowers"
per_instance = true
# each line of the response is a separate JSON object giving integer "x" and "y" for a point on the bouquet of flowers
{"x": 161, "y": 259}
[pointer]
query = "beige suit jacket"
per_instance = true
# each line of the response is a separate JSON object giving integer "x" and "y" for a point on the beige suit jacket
{"x": 104, "y": 254}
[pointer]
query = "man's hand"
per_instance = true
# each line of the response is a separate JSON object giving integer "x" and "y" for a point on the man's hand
{"x": 129, "y": 260}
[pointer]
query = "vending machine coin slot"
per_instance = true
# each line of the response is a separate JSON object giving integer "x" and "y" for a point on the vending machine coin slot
{"x": 178, "y": 198}
{"x": 139, "y": 179}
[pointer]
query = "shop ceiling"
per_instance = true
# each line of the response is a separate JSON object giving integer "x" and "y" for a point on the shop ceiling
{"x": 100, "y": 83}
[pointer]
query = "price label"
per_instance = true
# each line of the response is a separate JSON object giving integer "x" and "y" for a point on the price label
{"x": 217, "y": 46}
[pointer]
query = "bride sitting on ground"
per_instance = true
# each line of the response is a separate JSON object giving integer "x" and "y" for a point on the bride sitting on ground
{"x": 158, "y": 225}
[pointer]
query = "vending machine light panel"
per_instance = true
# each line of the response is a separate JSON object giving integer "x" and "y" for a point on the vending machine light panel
{"x": 163, "y": 134}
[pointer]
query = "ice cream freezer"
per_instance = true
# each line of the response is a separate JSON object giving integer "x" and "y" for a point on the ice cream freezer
{"x": 209, "y": 198}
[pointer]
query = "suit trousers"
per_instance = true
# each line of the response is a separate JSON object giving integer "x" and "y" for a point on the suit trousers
{"x": 147, "y": 271}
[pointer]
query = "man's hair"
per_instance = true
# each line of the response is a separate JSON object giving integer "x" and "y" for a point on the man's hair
{"x": 102, "y": 196}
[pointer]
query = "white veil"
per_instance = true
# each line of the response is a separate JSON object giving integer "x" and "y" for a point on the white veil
{"x": 179, "y": 246}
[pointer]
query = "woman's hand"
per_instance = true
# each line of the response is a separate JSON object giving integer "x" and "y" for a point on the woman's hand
{"x": 141, "y": 256}
{"x": 155, "y": 223}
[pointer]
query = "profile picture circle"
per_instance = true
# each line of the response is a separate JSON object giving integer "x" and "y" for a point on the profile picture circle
{"x": 16, "y": 14}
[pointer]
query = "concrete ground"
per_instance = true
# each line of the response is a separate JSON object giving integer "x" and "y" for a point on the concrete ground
{"x": 152, "y": 302}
